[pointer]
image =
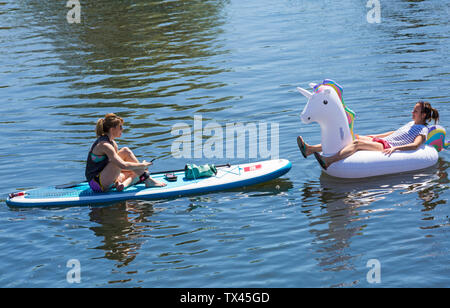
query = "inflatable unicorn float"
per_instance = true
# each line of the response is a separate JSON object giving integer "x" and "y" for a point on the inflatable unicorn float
{"x": 326, "y": 106}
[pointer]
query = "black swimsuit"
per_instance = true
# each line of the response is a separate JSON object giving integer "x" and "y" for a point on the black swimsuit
{"x": 95, "y": 164}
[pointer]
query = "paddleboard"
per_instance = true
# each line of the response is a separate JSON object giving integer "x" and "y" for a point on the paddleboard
{"x": 232, "y": 176}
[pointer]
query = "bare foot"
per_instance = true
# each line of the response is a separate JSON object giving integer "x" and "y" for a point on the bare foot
{"x": 153, "y": 183}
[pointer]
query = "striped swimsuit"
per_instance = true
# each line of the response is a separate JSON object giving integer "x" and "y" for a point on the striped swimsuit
{"x": 406, "y": 134}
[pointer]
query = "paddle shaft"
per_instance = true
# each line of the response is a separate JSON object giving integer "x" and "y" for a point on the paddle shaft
{"x": 65, "y": 186}
{"x": 179, "y": 170}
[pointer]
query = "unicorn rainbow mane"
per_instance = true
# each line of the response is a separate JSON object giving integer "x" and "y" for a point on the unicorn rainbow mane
{"x": 350, "y": 113}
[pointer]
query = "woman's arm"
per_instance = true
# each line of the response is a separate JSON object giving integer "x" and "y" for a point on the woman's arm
{"x": 382, "y": 135}
{"x": 114, "y": 158}
{"x": 412, "y": 146}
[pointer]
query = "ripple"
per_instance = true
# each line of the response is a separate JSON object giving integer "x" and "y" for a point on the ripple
{"x": 158, "y": 63}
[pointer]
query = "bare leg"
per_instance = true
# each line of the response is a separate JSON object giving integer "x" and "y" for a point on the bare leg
{"x": 109, "y": 175}
{"x": 316, "y": 148}
{"x": 313, "y": 148}
{"x": 364, "y": 138}
{"x": 129, "y": 177}
{"x": 309, "y": 149}
{"x": 356, "y": 145}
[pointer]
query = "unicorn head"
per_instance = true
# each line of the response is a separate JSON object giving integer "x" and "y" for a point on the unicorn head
{"x": 326, "y": 107}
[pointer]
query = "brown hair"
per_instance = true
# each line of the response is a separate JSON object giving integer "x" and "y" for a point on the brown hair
{"x": 430, "y": 112}
{"x": 109, "y": 121}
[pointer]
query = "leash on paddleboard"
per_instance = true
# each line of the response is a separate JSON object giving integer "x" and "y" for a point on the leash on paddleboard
{"x": 72, "y": 185}
{"x": 179, "y": 170}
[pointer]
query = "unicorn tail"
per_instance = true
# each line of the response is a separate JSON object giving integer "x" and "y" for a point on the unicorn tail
{"x": 436, "y": 137}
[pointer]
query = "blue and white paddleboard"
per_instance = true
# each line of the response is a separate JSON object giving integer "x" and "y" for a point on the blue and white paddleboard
{"x": 233, "y": 176}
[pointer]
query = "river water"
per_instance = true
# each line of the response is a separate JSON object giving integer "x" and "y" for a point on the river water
{"x": 160, "y": 63}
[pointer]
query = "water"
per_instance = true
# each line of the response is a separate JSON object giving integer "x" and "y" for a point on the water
{"x": 159, "y": 63}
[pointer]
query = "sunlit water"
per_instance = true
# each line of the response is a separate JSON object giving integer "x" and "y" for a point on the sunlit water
{"x": 159, "y": 63}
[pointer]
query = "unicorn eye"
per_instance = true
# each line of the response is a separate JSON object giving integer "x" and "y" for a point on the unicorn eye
{"x": 325, "y": 102}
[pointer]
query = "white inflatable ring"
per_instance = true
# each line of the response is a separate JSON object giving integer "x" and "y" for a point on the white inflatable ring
{"x": 372, "y": 163}
{"x": 326, "y": 107}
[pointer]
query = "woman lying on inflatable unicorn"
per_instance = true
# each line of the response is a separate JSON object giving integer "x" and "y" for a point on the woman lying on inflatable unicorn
{"x": 326, "y": 106}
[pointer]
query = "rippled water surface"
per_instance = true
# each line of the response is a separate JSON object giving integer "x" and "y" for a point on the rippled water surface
{"x": 159, "y": 63}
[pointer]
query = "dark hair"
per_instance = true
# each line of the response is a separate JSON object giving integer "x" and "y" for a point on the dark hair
{"x": 430, "y": 112}
{"x": 109, "y": 121}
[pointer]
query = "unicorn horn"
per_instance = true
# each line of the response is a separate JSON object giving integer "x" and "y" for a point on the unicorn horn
{"x": 306, "y": 93}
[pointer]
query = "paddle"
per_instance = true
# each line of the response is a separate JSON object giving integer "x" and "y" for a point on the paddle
{"x": 72, "y": 185}
{"x": 179, "y": 170}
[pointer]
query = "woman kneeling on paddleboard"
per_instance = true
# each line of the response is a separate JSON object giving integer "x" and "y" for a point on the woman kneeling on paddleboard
{"x": 107, "y": 166}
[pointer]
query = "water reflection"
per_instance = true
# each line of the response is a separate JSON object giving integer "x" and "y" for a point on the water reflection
{"x": 340, "y": 209}
{"x": 121, "y": 233}
{"x": 157, "y": 63}
{"x": 125, "y": 227}
{"x": 151, "y": 62}
{"x": 271, "y": 188}
{"x": 135, "y": 47}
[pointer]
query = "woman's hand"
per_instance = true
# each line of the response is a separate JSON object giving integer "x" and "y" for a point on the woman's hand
{"x": 146, "y": 163}
{"x": 390, "y": 151}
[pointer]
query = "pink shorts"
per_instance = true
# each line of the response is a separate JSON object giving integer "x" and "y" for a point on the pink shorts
{"x": 383, "y": 142}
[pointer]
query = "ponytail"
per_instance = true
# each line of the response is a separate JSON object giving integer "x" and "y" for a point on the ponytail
{"x": 435, "y": 115}
{"x": 430, "y": 112}
{"x": 104, "y": 125}
{"x": 99, "y": 128}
